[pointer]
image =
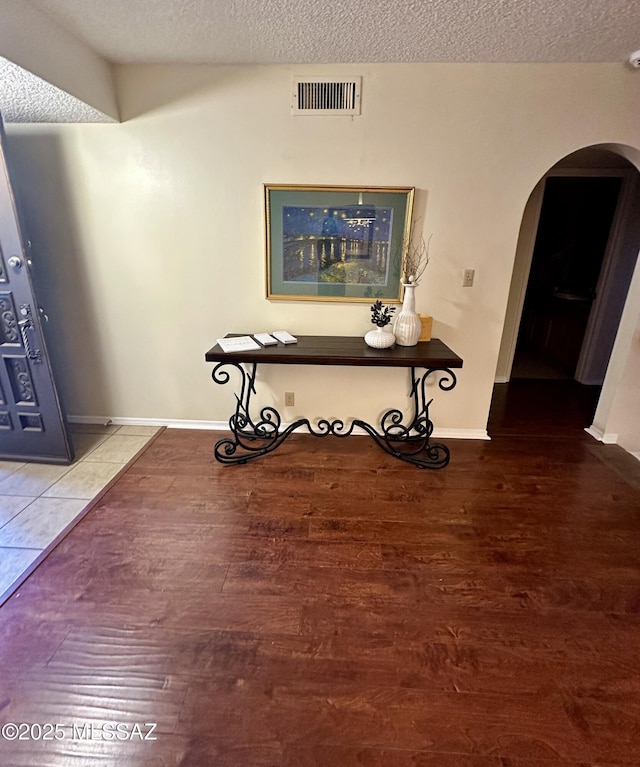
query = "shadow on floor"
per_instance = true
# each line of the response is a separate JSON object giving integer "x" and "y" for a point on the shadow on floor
{"x": 542, "y": 408}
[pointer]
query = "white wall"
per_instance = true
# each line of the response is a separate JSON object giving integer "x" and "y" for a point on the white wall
{"x": 617, "y": 418}
{"x": 519, "y": 281}
{"x": 624, "y": 419}
{"x": 151, "y": 238}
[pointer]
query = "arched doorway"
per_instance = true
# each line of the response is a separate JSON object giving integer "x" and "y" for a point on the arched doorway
{"x": 576, "y": 253}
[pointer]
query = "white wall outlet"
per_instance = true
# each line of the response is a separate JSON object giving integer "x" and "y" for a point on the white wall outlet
{"x": 467, "y": 278}
{"x": 289, "y": 399}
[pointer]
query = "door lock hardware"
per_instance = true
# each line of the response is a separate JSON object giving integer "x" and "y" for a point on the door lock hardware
{"x": 35, "y": 355}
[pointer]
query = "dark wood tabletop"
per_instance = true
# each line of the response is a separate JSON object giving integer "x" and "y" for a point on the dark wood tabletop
{"x": 343, "y": 350}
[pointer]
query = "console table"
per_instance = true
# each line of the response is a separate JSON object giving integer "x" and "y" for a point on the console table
{"x": 407, "y": 441}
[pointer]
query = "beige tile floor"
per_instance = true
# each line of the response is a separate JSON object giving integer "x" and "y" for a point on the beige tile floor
{"x": 39, "y": 501}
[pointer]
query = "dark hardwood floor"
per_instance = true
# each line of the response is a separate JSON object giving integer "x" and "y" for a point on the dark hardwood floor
{"x": 330, "y": 605}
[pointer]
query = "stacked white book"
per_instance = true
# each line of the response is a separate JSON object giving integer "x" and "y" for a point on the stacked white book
{"x": 237, "y": 344}
{"x": 265, "y": 339}
{"x": 247, "y": 343}
{"x": 284, "y": 337}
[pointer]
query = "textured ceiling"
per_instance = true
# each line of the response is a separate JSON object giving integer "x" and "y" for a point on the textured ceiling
{"x": 299, "y": 32}
{"x": 24, "y": 97}
{"x": 363, "y": 31}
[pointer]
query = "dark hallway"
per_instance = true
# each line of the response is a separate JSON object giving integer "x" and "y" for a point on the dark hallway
{"x": 571, "y": 241}
{"x": 542, "y": 408}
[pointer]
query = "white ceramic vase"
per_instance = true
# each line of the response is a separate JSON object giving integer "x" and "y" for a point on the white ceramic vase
{"x": 408, "y": 328}
{"x": 379, "y": 338}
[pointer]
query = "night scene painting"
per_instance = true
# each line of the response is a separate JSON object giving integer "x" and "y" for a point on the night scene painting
{"x": 346, "y": 245}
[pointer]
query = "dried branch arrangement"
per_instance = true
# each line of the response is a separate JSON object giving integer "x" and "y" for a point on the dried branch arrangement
{"x": 415, "y": 259}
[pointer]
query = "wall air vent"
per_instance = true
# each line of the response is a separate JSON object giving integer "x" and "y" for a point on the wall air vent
{"x": 319, "y": 96}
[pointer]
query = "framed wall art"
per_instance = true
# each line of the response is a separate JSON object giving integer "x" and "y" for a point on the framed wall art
{"x": 336, "y": 243}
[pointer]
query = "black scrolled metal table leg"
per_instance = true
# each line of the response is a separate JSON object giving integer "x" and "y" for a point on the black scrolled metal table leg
{"x": 412, "y": 442}
{"x": 249, "y": 439}
{"x": 409, "y": 442}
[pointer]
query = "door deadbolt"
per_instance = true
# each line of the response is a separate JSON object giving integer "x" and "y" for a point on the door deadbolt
{"x": 15, "y": 262}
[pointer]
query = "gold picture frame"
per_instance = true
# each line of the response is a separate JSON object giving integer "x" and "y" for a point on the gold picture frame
{"x": 336, "y": 243}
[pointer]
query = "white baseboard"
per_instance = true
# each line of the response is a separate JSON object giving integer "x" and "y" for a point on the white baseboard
{"x": 157, "y": 422}
{"x": 224, "y": 426}
{"x": 91, "y": 419}
{"x": 501, "y": 379}
{"x": 607, "y": 438}
{"x": 208, "y": 425}
{"x": 461, "y": 434}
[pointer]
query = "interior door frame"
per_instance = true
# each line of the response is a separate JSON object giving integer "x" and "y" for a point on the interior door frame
{"x": 524, "y": 258}
{"x": 606, "y": 277}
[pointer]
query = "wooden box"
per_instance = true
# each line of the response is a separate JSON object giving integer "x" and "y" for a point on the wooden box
{"x": 427, "y": 324}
